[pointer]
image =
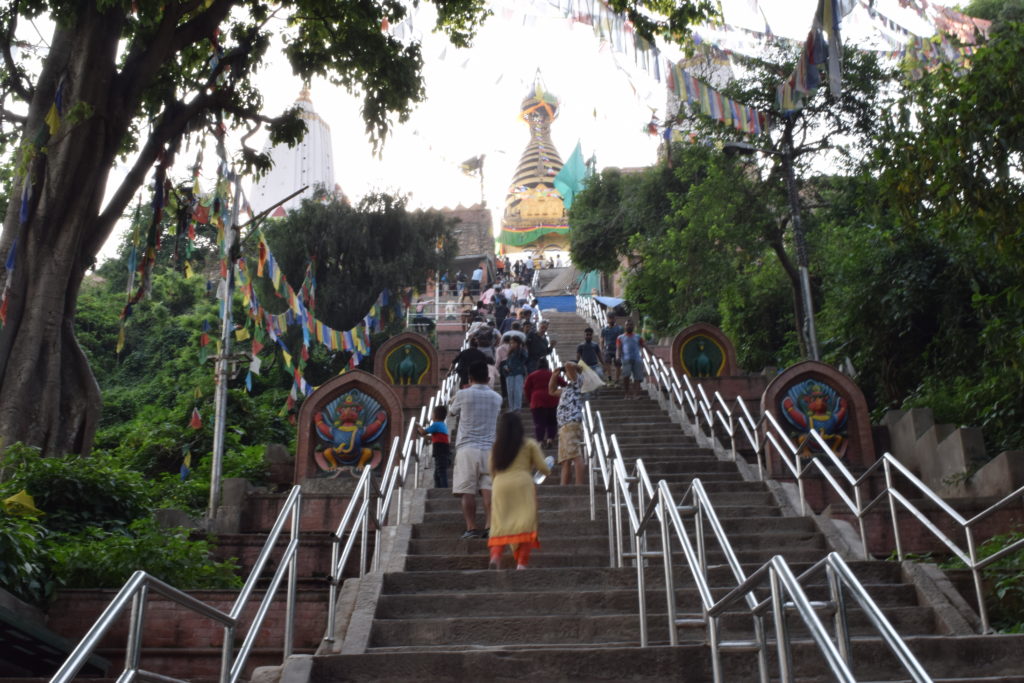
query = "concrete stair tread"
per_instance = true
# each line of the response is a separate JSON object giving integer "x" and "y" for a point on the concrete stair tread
{"x": 452, "y": 603}
{"x": 596, "y": 627}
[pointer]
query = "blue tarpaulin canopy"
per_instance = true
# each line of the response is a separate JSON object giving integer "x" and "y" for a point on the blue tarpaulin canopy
{"x": 609, "y": 301}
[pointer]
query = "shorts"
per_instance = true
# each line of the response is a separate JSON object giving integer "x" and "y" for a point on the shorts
{"x": 570, "y": 441}
{"x": 633, "y": 368}
{"x": 471, "y": 470}
{"x": 609, "y": 357}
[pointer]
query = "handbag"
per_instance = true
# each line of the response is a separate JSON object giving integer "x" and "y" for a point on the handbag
{"x": 591, "y": 380}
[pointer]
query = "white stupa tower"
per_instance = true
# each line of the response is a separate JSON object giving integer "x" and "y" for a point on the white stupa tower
{"x": 308, "y": 164}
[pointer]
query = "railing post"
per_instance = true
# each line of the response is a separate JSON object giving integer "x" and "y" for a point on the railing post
{"x": 133, "y": 651}
{"x": 800, "y": 483}
{"x": 781, "y": 631}
{"x": 732, "y": 437}
{"x": 293, "y": 575}
{"x": 860, "y": 521}
{"x": 641, "y": 593}
{"x": 762, "y": 649}
{"x": 670, "y": 588}
{"x": 364, "y": 528}
{"x": 698, "y": 523}
{"x": 618, "y": 521}
{"x": 332, "y": 593}
{"x": 716, "y": 650}
{"x": 979, "y": 590}
{"x": 226, "y": 658}
{"x": 892, "y": 510}
{"x": 839, "y": 617}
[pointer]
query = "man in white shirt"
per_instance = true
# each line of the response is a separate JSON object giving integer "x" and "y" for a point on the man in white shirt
{"x": 477, "y": 408}
{"x": 475, "y": 279}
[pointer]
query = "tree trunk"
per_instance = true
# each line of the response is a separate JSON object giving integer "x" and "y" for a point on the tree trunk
{"x": 48, "y": 395}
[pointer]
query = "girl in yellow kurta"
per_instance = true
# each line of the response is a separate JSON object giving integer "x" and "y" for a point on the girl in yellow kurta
{"x": 513, "y": 493}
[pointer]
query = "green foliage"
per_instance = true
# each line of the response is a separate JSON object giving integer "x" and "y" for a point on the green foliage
{"x": 75, "y": 492}
{"x": 22, "y": 559}
{"x": 949, "y": 163}
{"x": 1004, "y": 579}
{"x": 359, "y": 251}
{"x": 96, "y": 527}
{"x": 97, "y": 558}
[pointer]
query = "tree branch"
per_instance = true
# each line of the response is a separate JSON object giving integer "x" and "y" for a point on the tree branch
{"x": 8, "y": 115}
{"x": 147, "y": 57}
{"x": 173, "y": 124}
{"x": 14, "y": 79}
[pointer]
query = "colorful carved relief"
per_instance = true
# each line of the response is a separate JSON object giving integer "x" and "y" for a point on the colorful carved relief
{"x": 702, "y": 357}
{"x": 349, "y": 429}
{"x": 814, "y": 405}
{"x": 406, "y": 365}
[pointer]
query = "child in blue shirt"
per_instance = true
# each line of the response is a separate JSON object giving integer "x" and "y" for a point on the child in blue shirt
{"x": 438, "y": 432}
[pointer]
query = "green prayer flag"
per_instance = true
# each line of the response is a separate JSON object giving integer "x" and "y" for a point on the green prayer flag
{"x": 569, "y": 181}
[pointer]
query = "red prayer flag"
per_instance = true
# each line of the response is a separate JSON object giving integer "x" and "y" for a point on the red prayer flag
{"x": 197, "y": 421}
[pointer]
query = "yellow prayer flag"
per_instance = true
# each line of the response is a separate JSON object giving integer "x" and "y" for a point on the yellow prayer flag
{"x": 188, "y": 270}
{"x": 22, "y": 505}
{"x": 120, "y": 341}
{"x": 241, "y": 334}
{"x": 53, "y": 119}
{"x": 287, "y": 358}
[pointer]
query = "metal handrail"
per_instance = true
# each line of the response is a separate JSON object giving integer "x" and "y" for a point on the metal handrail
{"x": 359, "y": 513}
{"x": 777, "y": 573}
{"x": 693, "y": 405}
{"x": 696, "y": 503}
{"x": 136, "y": 592}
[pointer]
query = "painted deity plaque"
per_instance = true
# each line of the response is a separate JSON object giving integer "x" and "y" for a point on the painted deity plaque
{"x": 348, "y": 431}
{"x": 406, "y": 364}
{"x": 702, "y": 356}
{"x": 814, "y": 405}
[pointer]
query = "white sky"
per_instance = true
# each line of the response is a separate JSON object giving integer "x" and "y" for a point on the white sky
{"x": 473, "y": 99}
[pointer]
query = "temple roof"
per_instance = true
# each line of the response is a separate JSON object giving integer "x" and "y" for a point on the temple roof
{"x": 533, "y": 207}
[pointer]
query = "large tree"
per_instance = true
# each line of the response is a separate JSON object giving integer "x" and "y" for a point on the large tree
{"x": 133, "y": 80}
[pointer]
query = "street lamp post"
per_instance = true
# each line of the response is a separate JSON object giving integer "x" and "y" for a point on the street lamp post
{"x": 786, "y": 156}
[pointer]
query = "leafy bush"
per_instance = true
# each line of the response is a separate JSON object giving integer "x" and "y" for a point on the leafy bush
{"x": 1005, "y": 577}
{"x": 76, "y": 492}
{"x": 22, "y": 559}
{"x": 97, "y": 558}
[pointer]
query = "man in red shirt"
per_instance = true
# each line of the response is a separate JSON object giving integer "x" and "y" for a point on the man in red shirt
{"x": 542, "y": 404}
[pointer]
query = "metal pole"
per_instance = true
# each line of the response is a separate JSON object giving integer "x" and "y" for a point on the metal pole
{"x": 221, "y": 374}
{"x": 801, "y": 245}
{"x": 293, "y": 577}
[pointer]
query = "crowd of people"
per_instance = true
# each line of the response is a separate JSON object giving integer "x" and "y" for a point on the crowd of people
{"x": 504, "y": 368}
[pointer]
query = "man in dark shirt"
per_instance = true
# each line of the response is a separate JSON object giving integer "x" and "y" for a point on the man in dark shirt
{"x": 590, "y": 353}
{"x": 467, "y": 357}
{"x": 500, "y": 310}
{"x": 609, "y": 335}
{"x": 536, "y": 346}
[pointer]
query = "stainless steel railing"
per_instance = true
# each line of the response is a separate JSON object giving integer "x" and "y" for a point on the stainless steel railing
{"x": 135, "y": 592}
{"x": 633, "y": 500}
{"x": 703, "y": 416}
{"x": 371, "y": 504}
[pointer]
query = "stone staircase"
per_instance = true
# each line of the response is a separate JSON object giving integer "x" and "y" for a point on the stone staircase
{"x": 441, "y": 615}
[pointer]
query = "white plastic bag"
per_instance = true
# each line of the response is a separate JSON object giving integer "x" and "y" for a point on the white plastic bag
{"x": 591, "y": 380}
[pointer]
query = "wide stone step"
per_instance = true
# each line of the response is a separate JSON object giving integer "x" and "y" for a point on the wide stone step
{"x": 947, "y": 659}
{"x": 543, "y": 664}
{"x": 597, "y": 558}
{"x": 582, "y": 602}
{"x": 594, "y": 628}
{"x": 560, "y": 541}
{"x": 596, "y": 578}
{"x": 569, "y": 541}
